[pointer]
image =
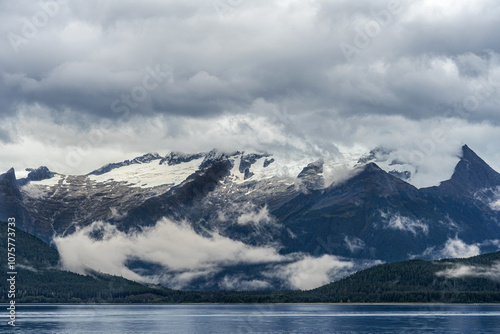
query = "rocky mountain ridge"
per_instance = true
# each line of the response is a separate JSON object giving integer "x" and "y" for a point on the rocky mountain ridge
{"x": 258, "y": 201}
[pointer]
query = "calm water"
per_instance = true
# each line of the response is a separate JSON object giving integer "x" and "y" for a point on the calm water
{"x": 218, "y": 319}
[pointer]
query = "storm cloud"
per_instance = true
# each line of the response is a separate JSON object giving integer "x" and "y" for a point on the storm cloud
{"x": 83, "y": 83}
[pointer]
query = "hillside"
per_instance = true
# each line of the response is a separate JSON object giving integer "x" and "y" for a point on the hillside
{"x": 471, "y": 280}
{"x": 475, "y": 279}
{"x": 414, "y": 281}
{"x": 39, "y": 280}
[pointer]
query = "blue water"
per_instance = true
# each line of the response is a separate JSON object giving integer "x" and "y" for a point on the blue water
{"x": 235, "y": 319}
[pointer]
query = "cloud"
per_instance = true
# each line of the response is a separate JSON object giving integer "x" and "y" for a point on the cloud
{"x": 79, "y": 150}
{"x": 27, "y": 267}
{"x": 255, "y": 218}
{"x": 253, "y": 223}
{"x": 180, "y": 280}
{"x": 181, "y": 256}
{"x": 406, "y": 224}
{"x": 466, "y": 271}
{"x": 456, "y": 248}
{"x": 354, "y": 244}
{"x": 493, "y": 242}
{"x": 494, "y": 204}
{"x": 450, "y": 224}
{"x": 490, "y": 197}
{"x": 176, "y": 247}
{"x": 4, "y": 136}
{"x": 453, "y": 248}
{"x": 241, "y": 283}
{"x": 114, "y": 214}
{"x": 238, "y": 84}
{"x": 310, "y": 272}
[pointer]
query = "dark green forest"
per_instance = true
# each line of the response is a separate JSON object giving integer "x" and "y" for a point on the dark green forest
{"x": 40, "y": 280}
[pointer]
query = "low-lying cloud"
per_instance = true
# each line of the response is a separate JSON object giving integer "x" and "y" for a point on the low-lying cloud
{"x": 184, "y": 256}
{"x": 240, "y": 282}
{"x": 466, "y": 271}
{"x": 176, "y": 247}
{"x": 256, "y": 220}
{"x": 453, "y": 248}
{"x": 403, "y": 223}
{"x": 354, "y": 244}
{"x": 255, "y": 217}
{"x": 495, "y": 203}
{"x": 457, "y": 248}
{"x": 311, "y": 272}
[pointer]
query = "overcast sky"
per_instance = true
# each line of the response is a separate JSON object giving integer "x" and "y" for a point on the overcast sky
{"x": 83, "y": 83}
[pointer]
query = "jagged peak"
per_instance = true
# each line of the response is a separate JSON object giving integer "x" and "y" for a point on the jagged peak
{"x": 312, "y": 168}
{"x": 39, "y": 174}
{"x": 215, "y": 155}
{"x": 373, "y": 171}
{"x": 372, "y": 167}
{"x": 376, "y": 154}
{"x": 11, "y": 171}
{"x": 9, "y": 177}
{"x": 472, "y": 172}
{"x": 471, "y": 159}
{"x": 172, "y": 158}
{"x": 175, "y": 158}
{"x": 146, "y": 158}
{"x": 247, "y": 160}
{"x": 468, "y": 153}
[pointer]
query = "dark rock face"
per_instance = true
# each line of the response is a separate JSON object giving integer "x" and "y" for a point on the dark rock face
{"x": 311, "y": 175}
{"x": 11, "y": 205}
{"x": 472, "y": 179}
{"x": 179, "y": 200}
{"x": 8, "y": 183}
{"x": 472, "y": 173}
{"x": 215, "y": 156}
{"x": 246, "y": 163}
{"x": 355, "y": 210}
{"x": 267, "y": 162}
{"x": 9, "y": 195}
{"x": 174, "y": 158}
{"x": 39, "y": 174}
{"x": 314, "y": 168}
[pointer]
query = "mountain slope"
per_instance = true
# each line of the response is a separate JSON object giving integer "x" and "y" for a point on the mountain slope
{"x": 376, "y": 215}
{"x": 353, "y": 211}
{"x": 178, "y": 199}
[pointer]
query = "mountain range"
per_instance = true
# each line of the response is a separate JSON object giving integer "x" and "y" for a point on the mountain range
{"x": 251, "y": 221}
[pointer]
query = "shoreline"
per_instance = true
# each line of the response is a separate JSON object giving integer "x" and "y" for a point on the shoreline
{"x": 179, "y": 304}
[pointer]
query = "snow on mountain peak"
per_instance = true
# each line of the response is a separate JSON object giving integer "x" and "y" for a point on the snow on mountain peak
{"x": 150, "y": 174}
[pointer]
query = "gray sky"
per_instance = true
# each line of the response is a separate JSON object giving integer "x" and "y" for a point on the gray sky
{"x": 83, "y": 83}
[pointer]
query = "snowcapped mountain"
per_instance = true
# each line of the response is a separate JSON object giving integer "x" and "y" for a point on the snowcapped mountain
{"x": 253, "y": 220}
